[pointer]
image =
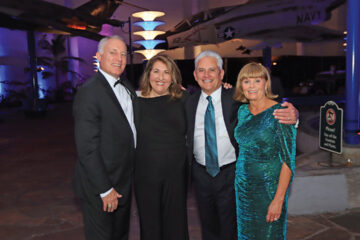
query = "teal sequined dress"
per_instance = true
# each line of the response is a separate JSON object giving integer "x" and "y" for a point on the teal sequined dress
{"x": 264, "y": 144}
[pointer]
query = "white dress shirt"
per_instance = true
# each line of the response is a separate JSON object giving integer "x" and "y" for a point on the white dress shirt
{"x": 226, "y": 151}
{"x": 124, "y": 98}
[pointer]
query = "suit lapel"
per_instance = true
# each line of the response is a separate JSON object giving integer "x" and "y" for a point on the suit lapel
{"x": 226, "y": 108}
{"x": 127, "y": 84}
{"x": 110, "y": 92}
{"x": 133, "y": 96}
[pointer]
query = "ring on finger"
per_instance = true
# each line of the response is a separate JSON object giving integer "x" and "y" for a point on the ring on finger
{"x": 275, "y": 219}
{"x": 109, "y": 205}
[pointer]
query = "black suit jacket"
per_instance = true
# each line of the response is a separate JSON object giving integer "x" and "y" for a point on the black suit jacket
{"x": 229, "y": 109}
{"x": 104, "y": 141}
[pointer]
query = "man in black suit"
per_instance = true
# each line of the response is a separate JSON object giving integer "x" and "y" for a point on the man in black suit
{"x": 215, "y": 194}
{"x": 105, "y": 137}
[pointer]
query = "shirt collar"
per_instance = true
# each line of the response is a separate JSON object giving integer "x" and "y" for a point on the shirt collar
{"x": 216, "y": 96}
{"x": 111, "y": 80}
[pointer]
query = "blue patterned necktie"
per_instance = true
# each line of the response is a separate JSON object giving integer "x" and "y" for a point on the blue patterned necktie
{"x": 211, "y": 154}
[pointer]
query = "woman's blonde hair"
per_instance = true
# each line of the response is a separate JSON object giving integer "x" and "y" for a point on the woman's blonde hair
{"x": 252, "y": 70}
{"x": 175, "y": 86}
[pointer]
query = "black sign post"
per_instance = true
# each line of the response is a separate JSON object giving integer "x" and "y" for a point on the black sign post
{"x": 331, "y": 124}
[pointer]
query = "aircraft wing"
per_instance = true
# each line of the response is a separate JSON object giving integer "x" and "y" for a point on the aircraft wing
{"x": 298, "y": 34}
{"x": 85, "y": 21}
{"x": 282, "y": 20}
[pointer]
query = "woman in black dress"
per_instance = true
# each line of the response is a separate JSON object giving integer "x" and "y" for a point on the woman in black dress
{"x": 160, "y": 166}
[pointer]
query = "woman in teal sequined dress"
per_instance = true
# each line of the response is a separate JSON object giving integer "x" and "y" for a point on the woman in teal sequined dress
{"x": 266, "y": 162}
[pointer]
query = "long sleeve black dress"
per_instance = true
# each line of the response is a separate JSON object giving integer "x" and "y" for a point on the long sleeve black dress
{"x": 160, "y": 169}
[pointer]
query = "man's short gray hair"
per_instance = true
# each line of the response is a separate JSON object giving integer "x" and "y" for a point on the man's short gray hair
{"x": 209, "y": 53}
{"x": 105, "y": 39}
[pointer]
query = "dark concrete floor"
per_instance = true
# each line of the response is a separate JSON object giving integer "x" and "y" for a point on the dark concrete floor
{"x": 37, "y": 157}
